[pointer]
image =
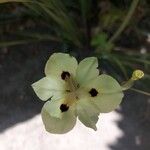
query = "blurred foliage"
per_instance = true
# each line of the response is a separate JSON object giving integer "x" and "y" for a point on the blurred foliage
{"x": 116, "y": 31}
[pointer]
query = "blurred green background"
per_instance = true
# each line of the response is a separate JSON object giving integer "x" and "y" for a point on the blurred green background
{"x": 115, "y": 31}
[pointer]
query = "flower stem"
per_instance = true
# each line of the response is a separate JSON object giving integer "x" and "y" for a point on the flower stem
{"x": 139, "y": 91}
{"x": 127, "y": 85}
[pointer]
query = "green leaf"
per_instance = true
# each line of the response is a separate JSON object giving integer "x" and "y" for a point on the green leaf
{"x": 100, "y": 41}
{"x": 85, "y": 8}
{"x": 17, "y": 42}
{"x": 120, "y": 65}
{"x": 6, "y": 1}
{"x": 113, "y": 15}
{"x": 55, "y": 12}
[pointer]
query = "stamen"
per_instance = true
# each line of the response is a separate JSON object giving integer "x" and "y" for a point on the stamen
{"x": 68, "y": 91}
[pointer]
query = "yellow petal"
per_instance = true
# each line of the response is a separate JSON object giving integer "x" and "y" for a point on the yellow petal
{"x": 87, "y": 70}
{"x": 59, "y": 63}
{"x": 87, "y": 113}
{"x": 105, "y": 92}
{"x": 59, "y": 125}
{"x": 48, "y": 87}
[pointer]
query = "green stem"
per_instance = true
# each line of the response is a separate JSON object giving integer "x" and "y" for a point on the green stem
{"x": 127, "y": 85}
{"x": 139, "y": 91}
{"x": 125, "y": 22}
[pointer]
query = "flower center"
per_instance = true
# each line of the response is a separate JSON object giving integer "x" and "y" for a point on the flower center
{"x": 72, "y": 95}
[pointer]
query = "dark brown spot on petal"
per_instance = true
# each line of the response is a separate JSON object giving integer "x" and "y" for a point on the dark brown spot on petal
{"x": 77, "y": 97}
{"x": 93, "y": 92}
{"x": 64, "y": 107}
{"x": 68, "y": 91}
{"x": 65, "y": 74}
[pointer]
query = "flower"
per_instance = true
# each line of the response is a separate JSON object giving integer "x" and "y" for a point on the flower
{"x": 74, "y": 90}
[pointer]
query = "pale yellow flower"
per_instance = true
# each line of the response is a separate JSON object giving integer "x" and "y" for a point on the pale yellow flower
{"x": 74, "y": 90}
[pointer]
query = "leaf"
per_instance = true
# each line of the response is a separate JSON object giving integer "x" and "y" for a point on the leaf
{"x": 100, "y": 41}
{"x": 113, "y": 15}
{"x": 6, "y": 1}
{"x": 120, "y": 65}
{"x": 17, "y": 42}
{"x": 56, "y": 12}
{"x": 85, "y": 8}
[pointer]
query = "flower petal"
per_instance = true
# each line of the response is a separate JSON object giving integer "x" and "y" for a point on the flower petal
{"x": 105, "y": 92}
{"x": 53, "y": 107}
{"x": 59, "y": 125}
{"x": 59, "y": 63}
{"x": 87, "y": 70}
{"x": 108, "y": 103}
{"x": 87, "y": 113}
{"x": 48, "y": 87}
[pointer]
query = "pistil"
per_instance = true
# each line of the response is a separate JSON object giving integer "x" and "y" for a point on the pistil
{"x": 72, "y": 96}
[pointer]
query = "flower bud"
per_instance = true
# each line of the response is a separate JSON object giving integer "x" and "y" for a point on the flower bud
{"x": 137, "y": 74}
